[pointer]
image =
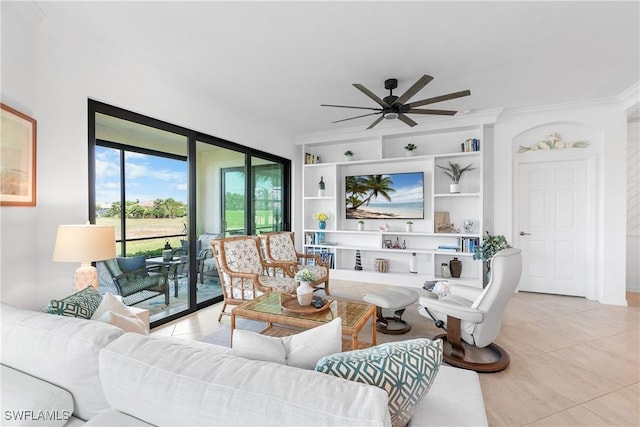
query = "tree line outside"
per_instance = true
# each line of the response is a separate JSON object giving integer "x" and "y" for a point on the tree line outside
{"x": 162, "y": 208}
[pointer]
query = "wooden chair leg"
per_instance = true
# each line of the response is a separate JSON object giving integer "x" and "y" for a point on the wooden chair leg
{"x": 223, "y": 312}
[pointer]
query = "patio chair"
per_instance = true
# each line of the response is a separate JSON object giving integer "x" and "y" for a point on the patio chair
{"x": 134, "y": 281}
{"x": 280, "y": 247}
{"x": 244, "y": 274}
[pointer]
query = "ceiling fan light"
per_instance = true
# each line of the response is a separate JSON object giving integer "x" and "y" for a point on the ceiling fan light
{"x": 391, "y": 116}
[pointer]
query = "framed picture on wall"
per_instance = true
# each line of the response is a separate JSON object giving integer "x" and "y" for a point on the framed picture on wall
{"x": 17, "y": 158}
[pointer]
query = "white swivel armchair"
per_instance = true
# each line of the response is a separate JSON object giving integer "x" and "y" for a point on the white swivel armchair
{"x": 474, "y": 316}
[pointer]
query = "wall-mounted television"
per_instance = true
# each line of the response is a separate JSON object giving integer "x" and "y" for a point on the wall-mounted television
{"x": 385, "y": 196}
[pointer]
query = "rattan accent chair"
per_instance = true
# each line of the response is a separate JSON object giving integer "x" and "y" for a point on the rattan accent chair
{"x": 244, "y": 274}
{"x": 279, "y": 247}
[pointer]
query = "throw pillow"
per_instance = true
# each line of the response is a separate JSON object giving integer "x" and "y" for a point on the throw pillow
{"x": 113, "y": 311}
{"x": 405, "y": 370}
{"x": 129, "y": 264}
{"x": 81, "y": 304}
{"x": 302, "y": 350}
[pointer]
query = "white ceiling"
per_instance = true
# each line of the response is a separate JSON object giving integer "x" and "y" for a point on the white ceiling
{"x": 281, "y": 60}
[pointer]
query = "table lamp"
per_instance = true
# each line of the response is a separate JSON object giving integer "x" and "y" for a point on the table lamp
{"x": 84, "y": 244}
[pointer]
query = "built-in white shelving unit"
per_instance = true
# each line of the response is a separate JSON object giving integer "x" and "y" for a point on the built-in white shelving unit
{"x": 439, "y": 142}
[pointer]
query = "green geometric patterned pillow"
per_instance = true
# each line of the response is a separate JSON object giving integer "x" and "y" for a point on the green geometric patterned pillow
{"x": 405, "y": 370}
{"x": 81, "y": 304}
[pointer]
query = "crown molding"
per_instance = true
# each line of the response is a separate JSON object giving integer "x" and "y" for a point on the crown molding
{"x": 630, "y": 98}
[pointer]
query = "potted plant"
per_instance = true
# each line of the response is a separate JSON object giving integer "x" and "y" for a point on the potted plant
{"x": 305, "y": 290}
{"x": 490, "y": 246}
{"x": 348, "y": 155}
{"x": 454, "y": 171}
{"x": 409, "y": 226}
{"x": 410, "y": 149}
{"x": 322, "y": 220}
{"x": 360, "y": 225}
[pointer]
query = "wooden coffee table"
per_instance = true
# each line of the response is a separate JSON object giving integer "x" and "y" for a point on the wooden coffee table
{"x": 267, "y": 308}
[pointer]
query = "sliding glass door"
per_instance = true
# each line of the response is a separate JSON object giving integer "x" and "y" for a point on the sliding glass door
{"x": 163, "y": 185}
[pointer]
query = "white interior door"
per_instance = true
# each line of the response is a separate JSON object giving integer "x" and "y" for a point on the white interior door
{"x": 552, "y": 221}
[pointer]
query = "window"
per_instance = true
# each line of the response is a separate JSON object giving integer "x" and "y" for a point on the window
{"x": 157, "y": 182}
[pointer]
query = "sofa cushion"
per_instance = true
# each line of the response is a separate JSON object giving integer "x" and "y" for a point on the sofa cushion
{"x": 170, "y": 381}
{"x": 81, "y": 304}
{"x": 60, "y": 350}
{"x": 27, "y": 400}
{"x": 405, "y": 369}
{"x": 302, "y": 350}
{"x": 113, "y": 311}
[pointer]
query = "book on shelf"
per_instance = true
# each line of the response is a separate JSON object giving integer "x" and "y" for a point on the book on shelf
{"x": 449, "y": 248}
{"x": 471, "y": 144}
{"x": 325, "y": 255}
{"x": 468, "y": 244}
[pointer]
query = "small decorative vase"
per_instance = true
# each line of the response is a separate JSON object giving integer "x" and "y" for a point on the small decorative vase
{"x": 348, "y": 158}
{"x": 382, "y": 265}
{"x": 413, "y": 264}
{"x": 409, "y": 228}
{"x": 321, "y": 187}
{"x": 360, "y": 226}
{"x": 322, "y": 225}
{"x": 455, "y": 265}
{"x": 305, "y": 293}
{"x": 409, "y": 153}
{"x": 444, "y": 270}
{"x": 454, "y": 188}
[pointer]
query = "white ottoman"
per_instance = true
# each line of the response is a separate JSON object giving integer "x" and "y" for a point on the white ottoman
{"x": 396, "y": 300}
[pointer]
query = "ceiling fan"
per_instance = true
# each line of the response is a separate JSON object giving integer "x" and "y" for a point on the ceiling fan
{"x": 394, "y": 107}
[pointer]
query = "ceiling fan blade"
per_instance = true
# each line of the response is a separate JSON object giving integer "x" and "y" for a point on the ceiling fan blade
{"x": 371, "y": 95}
{"x": 441, "y": 98}
{"x": 407, "y": 120}
{"x": 427, "y": 111}
{"x": 347, "y": 106}
{"x": 378, "y": 120}
{"x": 356, "y": 117}
{"x": 417, "y": 86}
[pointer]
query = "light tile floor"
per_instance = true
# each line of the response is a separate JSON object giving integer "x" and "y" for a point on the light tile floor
{"x": 574, "y": 362}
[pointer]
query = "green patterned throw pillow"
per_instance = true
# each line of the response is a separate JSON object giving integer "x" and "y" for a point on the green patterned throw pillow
{"x": 81, "y": 304}
{"x": 405, "y": 370}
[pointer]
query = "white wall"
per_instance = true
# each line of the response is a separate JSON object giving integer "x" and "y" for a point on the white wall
{"x": 48, "y": 72}
{"x": 608, "y": 119}
{"x": 633, "y": 206}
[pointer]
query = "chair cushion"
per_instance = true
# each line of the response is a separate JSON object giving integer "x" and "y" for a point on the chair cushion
{"x": 242, "y": 256}
{"x": 405, "y": 369}
{"x": 282, "y": 284}
{"x": 318, "y": 271}
{"x": 81, "y": 304}
{"x": 281, "y": 248}
{"x": 302, "y": 350}
{"x": 129, "y": 264}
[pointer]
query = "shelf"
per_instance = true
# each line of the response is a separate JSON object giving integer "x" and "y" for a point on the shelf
{"x": 454, "y": 195}
{"x": 319, "y": 197}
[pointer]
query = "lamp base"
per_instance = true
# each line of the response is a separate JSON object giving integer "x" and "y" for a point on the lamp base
{"x": 86, "y": 275}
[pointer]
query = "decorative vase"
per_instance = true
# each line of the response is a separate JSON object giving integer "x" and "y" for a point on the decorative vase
{"x": 408, "y": 228}
{"x": 382, "y": 265}
{"x": 444, "y": 270}
{"x": 409, "y": 153}
{"x": 305, "y": 293}
{"x": 413, "y": 264}
{"x": 321, "y": 187}
{"x": 454, "y": 188}
{"x": 322, "y": 225}
{"x": 348, "y": 158}
{"x": 455, "y": 266}
{"x": 360, "y": 226}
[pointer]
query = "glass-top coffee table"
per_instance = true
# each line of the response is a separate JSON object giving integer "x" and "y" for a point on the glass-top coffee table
{"x": 267, "y": 308}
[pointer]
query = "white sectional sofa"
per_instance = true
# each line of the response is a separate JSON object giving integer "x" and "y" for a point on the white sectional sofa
{"x": 66, "y": 371}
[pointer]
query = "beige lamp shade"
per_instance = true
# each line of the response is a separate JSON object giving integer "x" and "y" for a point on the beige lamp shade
{"x": 84, "y": 244}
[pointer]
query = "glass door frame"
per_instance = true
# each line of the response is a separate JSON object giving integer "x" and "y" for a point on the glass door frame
{"x": 193, "y": 137}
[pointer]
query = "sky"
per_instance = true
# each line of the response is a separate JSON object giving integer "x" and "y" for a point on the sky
{"x": 409, "y": 188}
{"x": 147, "y": 177}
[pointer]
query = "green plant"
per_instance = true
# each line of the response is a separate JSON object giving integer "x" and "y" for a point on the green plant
{"x": 410, "y": 147}
{"x": 454, "y": 171}
{"x": 348, "y": 153}
{"x": 490, "y": 246}
{"x": 361, "y": 222}
{"x": 409, "y": 222}
{"x": 304, "y": 275}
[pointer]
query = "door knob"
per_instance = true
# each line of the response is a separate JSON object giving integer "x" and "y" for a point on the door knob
{"x": 522, "y": 233}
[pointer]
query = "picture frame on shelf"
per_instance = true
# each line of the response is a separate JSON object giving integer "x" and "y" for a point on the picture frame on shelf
{"x": 442, "y": 223}
{"x": 17, "y": 158}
